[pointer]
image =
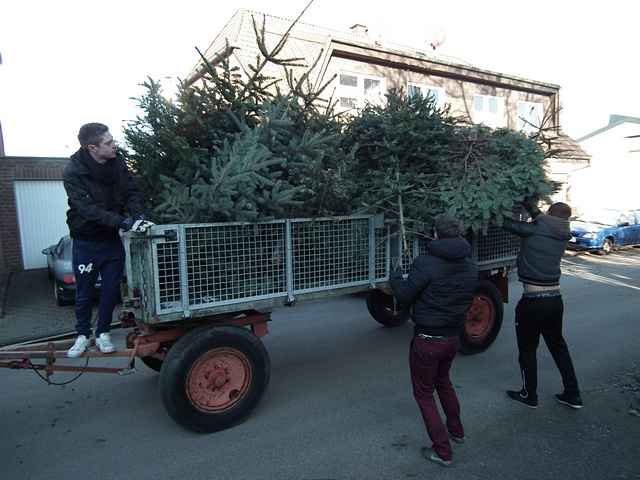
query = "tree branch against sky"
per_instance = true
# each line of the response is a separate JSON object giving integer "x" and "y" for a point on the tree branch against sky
{"x": 76, "y": 62}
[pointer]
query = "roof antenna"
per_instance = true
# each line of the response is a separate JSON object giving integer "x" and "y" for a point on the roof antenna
{"x": 437, "y": 36}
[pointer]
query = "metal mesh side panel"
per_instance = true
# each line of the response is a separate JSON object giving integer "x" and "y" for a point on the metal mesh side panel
{"x": 328, "y": 253}
{"x": 168, "y": 275}
{"x": 407, "y": 257}
{"x": 382, "y": 239}
{"x": 416, "y": 246}
{"x": 422, "y": 246}
{"x": 497, "y": 244}
{"x": 233, "y": 262}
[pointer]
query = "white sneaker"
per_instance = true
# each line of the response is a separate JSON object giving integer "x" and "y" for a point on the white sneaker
{"x": 103, "y": 342}
{"x": 79, "y": 347}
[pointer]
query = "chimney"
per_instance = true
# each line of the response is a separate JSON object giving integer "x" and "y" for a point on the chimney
{"x": 360, "y": 30}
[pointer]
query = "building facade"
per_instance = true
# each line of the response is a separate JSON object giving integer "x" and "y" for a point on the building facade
{"x": 611, "y": 179}
{"x": 359, "y": 69}
{"x": 32, "y": 210}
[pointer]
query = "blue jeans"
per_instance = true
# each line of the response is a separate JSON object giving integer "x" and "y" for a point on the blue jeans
{"x": 105, "y": 257}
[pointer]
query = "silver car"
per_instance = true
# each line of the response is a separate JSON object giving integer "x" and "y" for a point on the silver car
{"x": 60, "y": 269}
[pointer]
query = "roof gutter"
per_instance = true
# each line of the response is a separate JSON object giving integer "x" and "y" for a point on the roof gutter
{"x": 405, "y": 61}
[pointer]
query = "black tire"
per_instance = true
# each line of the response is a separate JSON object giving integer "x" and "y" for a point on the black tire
{"x": 607, "y": 247}
{"x": 190, "y": 359}
{"x": 153, "y": 363}
{"x": 61, "y": 301}
{"x": 484, "y": 319}
{"x": 385, "y": 310}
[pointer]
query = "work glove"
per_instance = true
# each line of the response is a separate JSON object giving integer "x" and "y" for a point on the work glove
{"x": 141, "y": 226}
{"x": 126, "y": 224}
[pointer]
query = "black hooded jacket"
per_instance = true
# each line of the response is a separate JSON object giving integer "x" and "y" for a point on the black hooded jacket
{"x": 440, "y": 286}
{"x": 543, "y": 243}
{"x": 99, "y": 196}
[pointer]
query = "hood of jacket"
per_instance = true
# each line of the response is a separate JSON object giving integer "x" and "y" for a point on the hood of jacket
{"x": 451, "y": 249}
{"x": 554, "y": 227}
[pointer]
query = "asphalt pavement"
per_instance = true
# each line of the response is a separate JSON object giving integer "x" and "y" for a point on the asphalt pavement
{"x": 339, "y": 405}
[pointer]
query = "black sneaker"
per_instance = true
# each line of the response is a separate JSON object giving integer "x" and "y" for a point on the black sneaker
{"x": 571, "y": 401}
{"x": 522, "y": 397}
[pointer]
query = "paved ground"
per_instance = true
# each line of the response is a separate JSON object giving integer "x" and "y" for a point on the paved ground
{"x": 30, "y": 309}
{"x": 339, "y": 405}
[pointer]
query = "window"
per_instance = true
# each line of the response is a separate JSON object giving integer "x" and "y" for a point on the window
{"x": 529, "y": 116}
{"x": 372, "y": 88}
{"x": 348, "y": 80}
{"x": 425, "y": 90}
{"x": 348, "y": 102}
{"x": 488, "y": 110}
{"x": 354, "y": 90}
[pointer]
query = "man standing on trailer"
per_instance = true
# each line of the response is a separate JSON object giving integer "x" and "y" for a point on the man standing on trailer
{"x": 540, "y": 310}
{"x": 102, "y": 199}
{"x": 440, "y": 286}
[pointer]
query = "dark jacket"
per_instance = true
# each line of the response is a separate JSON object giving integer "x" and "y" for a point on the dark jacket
{"x": 543, "y": 243}
{"x": 100, "y": 196}
{"x": 440, "y": 285}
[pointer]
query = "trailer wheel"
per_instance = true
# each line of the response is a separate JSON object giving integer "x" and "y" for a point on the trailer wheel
{"x": 212, "y": 378}
{"x": 153, "y": 363}
{"x": 484, "y": 319}
{"x": 385, "y": 310}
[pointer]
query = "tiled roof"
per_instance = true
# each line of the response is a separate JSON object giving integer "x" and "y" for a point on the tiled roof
{"x": 571, "y": 150}
{"x": 309, "y": 40}
{"x": 305, "y": 41}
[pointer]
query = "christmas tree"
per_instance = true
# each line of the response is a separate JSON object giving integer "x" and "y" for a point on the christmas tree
{"x": 248, "y": 147}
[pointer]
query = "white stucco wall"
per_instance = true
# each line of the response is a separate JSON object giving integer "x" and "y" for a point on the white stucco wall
{"x": 612, "y": 179}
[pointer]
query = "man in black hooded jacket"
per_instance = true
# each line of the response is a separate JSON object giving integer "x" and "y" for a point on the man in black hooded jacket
{"x": 440, "y": 287}
{"x": 540, "y": 310}
{"x": 102, "y": 199}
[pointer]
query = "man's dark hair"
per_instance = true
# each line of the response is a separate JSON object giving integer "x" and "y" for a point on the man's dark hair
{"x": 447, "y": 227}
{"x": 91, "y": 133}
{"x": 561, "y": 210}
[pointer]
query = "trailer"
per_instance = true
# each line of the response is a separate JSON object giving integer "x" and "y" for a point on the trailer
{"x": 198, "y": 298}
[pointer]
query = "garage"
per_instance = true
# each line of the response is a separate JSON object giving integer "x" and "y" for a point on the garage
{"x": 41, "y": 210}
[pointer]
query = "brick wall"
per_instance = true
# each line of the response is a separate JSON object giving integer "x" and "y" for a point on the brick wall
{"x": 12, "y": 169}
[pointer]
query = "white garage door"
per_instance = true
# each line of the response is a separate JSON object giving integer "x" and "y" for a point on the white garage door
{"x": 42, "y": 208}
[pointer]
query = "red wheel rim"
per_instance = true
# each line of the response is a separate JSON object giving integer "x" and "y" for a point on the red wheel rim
{"x": 219, "y": 379}
{"x": 480, "y": 319}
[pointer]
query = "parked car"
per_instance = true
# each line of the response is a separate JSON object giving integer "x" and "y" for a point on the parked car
{"x": 60, "y": 267}
{"x": 602, "y": 230}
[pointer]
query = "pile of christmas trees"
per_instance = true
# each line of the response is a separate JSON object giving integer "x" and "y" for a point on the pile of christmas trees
{"x": 248, "y": 148}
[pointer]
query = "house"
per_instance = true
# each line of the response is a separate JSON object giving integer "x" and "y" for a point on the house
{"x": 611, "y": 178}
{"x": 33, "y": 207}
{"x": 361, "y": 69}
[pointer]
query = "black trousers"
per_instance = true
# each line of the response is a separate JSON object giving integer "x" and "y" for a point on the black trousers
{"x": 543, "y": 316}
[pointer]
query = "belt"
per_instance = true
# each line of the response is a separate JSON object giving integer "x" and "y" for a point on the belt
{"x": 542, "y": 294}
{"x": 424, "y": 336}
